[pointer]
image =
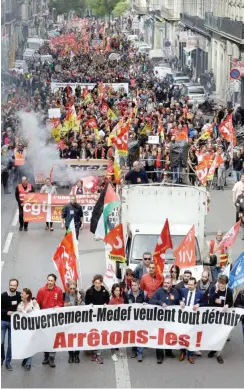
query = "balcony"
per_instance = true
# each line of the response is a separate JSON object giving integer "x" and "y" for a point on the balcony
{"x": 194, "y": 22}
{"x": 170, "y": 13}
{"x": 230, "y": 29}
{"x": 9, "y": 17}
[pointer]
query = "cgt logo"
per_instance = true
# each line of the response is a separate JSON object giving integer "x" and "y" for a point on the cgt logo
{"x": 35, "y": 209}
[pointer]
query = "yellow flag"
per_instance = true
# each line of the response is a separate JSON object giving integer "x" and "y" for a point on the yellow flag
{"x": 76, "y": 126}
{"x": 111, "y": 114}
{"x": 97, "y": 136}
{"x": 56, "y": 134}
{"x": 117, "y": 170}
{"x": 146, "y": 128}
{"x": 88, "y": 99}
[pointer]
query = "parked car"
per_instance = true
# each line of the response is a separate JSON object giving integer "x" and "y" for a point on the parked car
{"x": 144, "y": 48}
{"x": 195, "y": 93}
{"x": 181, "y": 80}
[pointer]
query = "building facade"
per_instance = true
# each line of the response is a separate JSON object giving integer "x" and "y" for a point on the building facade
{"x": 20, "y": 19}
{"x": 204, "y": 34}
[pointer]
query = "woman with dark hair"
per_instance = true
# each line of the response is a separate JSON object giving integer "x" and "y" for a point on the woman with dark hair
{"x": 73, "y": 297}
{"x": 174, "y": 274}
{"x": 78, "y": 188}
{"x": 97, "y": 294}
{"x": 27, "y": 305}
{"x": 117, "y": 298}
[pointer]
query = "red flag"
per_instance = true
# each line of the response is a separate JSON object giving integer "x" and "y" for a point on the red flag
{"x": 230, "y": 237}
{"x": 121, "y": 141}
{"x": 202, "y": 171}
{"x": 226, "y": 128}
{"x": 91, "y": 123}
{"x": 65, "y": 260}
{"x": 164, "y": 243}
{"x": 185, "y": 253}
{"x": 115, "y": 238}
{"x": 104, "y": 108}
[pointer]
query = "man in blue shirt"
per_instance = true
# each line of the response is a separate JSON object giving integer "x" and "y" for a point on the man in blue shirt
{"x": 137, "y": 175}
{"x": 164, "y": 297}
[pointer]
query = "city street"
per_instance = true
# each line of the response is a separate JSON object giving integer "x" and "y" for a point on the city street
{"x": 28, "y": 257}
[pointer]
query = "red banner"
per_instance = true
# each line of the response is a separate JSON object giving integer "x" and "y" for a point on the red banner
{"x": 40, "y": 207}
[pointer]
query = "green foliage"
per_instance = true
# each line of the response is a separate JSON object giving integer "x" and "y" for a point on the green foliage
{"x": 102, "y": 7}
{"x": 121, "y": 7}
{"x": 64, "y": 6}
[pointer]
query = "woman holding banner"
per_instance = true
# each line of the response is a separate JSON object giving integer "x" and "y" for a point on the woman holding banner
{"x": 27, "y": 305}
{"x": 73, "y": 297}
{"x": 117, "y": 298}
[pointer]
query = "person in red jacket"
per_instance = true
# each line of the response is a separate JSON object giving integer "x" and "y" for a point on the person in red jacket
{"x": 50, "y": 296}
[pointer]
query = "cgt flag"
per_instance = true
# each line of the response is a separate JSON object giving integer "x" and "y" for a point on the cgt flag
{"x": 185, "y": 253}
{"x": 236, "y": 277}
{"x": 229, "y": 238}
{"x": 115, "y": 238}
{"x": 65, "y": 259}
{"x": 164, "y": 243}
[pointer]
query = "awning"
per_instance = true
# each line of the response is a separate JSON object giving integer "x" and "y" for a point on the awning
{"x": 189, "y": 49}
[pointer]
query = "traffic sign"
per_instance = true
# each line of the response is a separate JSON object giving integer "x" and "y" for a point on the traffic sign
{"x": 235, "y": 73}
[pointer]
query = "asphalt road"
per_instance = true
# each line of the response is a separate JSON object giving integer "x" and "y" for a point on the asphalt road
{"x": 29, "y": 258}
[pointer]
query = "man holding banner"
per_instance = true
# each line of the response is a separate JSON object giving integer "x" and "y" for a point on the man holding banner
{"x": 220, "y": 296}
{"x": 50, "y": 296}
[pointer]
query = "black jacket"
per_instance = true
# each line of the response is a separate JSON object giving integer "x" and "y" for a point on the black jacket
{"x": 226, "y": 298}
{"x": 97, "y": 298}
{"x": 9, "y": 303}
{"x": 72, "y": 211}
{"x": 17, "y": 193}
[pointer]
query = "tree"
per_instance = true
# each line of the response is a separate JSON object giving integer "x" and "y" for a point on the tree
{"x": 64, "y": 6}
{"x": 121, "y": 7}
{"x": 102, "y": 7}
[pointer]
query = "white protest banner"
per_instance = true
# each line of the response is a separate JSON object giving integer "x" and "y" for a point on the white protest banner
{"x": 115, "y": 86}
{"x": 105, "y": 327}
{"x": 54, "y": 113}
{"x": 153, "y": 139}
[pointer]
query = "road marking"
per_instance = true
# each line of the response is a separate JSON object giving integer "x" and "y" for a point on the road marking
{"x": 122, "y": 371}
{"x": 2, "y": 263}
{"x": 8, "y": 242}
{"x": 15, "y": 219}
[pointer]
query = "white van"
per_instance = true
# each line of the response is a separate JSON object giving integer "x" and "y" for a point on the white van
{"x": 28, "y": 54}
{"x": 35, "y": 43}
{"x": 46, "y": 57}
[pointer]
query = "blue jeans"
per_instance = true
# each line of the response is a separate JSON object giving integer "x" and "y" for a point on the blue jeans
{"x": 137, "y": 350}
{"x": 236, "y": 175}
{"x": 176, "y": 175}
{"x": 6, "y": 326}
{"x": 27, "y": 361}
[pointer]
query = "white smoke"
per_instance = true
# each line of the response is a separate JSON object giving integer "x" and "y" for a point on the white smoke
{"x": 43, "y": 154}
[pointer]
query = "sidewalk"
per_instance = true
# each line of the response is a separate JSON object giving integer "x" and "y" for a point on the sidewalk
{"x": 8, "y": 209}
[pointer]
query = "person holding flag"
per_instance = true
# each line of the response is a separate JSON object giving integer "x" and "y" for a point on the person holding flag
{"x": 71, "y": 211}
{"x": 165, "y": 296}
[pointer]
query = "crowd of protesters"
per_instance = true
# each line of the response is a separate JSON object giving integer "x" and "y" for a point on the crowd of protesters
{"x": 167, "y": 140}
{"x": 137, "y": 287}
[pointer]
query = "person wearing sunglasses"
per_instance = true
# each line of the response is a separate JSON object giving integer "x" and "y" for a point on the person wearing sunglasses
{"x": 143, "y": 267}
{"x": 73, "y": 297}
